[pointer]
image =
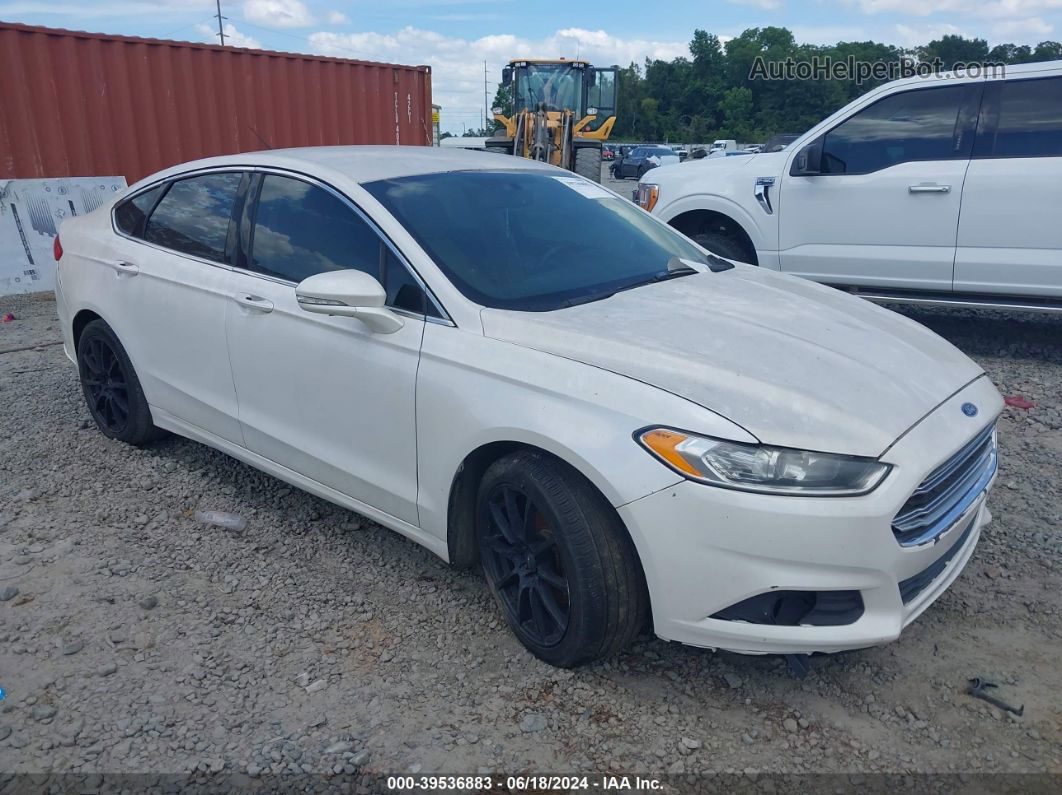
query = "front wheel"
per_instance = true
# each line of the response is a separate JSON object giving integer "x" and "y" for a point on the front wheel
{"x": 558, "y": 561}
{"x": 588, "y": 163}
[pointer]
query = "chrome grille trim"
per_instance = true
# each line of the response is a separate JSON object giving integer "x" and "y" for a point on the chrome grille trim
{"x": 947, "y": 492}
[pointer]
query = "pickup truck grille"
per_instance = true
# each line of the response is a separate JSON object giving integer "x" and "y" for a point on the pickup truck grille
{"x": 947, "y": 492}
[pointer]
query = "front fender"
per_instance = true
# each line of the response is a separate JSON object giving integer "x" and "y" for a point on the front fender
{"x": 474, "y": 390}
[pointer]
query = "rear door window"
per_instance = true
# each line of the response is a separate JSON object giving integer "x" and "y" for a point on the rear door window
{"x": 194, "y": 215}
{"x": 1029, "y": 120}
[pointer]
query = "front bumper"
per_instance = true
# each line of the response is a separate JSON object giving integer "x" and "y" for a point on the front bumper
{"x": 705, "y": 549}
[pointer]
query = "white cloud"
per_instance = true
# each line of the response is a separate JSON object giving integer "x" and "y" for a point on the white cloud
{"x": 907, "y": 36}
{"x": 337, "y": 18}
{"x": 991, "y": 8}
{"x": 828, "y": 34}
{"x": 278, "y": 13}
{"x": 1021, "y": 28}
{"x": 233, "y": 37}
{"x": 457, "y": 63}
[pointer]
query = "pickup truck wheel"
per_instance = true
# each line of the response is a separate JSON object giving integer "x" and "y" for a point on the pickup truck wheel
{"x": 724, "y": 245}
{"x": 557, "y": 560}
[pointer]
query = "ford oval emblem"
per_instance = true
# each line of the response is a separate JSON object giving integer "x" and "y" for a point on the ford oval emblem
{"x": 969, "y": 409}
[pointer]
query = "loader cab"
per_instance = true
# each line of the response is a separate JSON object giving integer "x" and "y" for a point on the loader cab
{"x": 563, "y": 85}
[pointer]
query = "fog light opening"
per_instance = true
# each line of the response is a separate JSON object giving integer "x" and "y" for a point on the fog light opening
{"x": 797, "y": 608}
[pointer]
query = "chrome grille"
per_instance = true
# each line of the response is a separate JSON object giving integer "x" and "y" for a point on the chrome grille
{"x": 947, "y": 491}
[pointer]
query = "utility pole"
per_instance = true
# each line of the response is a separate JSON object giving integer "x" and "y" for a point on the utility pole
{"x": 486, "y": 103}
{"x": 221, "y": 26}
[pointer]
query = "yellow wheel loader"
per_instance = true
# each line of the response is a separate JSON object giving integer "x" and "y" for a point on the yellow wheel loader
{"x": 563, "y": 112}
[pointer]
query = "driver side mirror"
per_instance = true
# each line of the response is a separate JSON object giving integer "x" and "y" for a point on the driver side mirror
{"x": 348, "y": 293}
{"x": 808, "y": 161}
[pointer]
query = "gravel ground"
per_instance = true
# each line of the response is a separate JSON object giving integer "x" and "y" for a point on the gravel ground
{"x": 136, "y": 639}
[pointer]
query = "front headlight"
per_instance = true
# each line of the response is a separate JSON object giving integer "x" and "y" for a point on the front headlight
{"x": 647, "y": 196}
{"x": 762, "y": 468}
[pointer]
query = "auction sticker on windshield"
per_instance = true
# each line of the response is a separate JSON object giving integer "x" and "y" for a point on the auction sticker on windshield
{"x": 588, "y": 189}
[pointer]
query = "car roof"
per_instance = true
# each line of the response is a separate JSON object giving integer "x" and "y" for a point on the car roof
{"x": 365, "y": 163}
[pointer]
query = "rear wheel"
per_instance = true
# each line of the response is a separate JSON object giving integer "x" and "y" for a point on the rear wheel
{"x": 588, "y": 163}
{"x": 112, "y": 390}
{"x": 557, "y": 560}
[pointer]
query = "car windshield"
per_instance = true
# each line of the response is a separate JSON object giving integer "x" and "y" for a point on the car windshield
{"x": 533, "y": 241}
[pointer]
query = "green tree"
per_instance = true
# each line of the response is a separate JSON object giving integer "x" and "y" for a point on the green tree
{"x": 711, "y": 93}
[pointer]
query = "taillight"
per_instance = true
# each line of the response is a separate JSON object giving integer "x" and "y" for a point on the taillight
{"x": 57, "y": 249}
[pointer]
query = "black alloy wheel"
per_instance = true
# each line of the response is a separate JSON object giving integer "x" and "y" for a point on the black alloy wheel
{"x": 111, "y": 387}
{"x": 522, "y": 560}
{"x": 558, "y": 560}
{"x": 105, "y": 384}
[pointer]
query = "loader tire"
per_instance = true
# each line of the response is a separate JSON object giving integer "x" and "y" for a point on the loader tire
{"x": 588, "y": 163}
{"x": 499, "y": 149}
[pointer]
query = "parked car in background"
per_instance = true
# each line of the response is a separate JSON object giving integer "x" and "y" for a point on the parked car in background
{"x": 754, "y": 149}
{"x": 776, "y": 143}
{"x": 520, "y": 370}
{"x": 958, "y": 208}
{"x": 641, "y": 159}
{"x": 607, "y": 153}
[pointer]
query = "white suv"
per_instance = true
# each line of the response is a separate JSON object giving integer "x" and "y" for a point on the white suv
{"x": 937, "y": 190}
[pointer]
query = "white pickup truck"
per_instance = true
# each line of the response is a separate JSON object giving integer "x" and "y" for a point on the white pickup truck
{"x": 944, "y": 190}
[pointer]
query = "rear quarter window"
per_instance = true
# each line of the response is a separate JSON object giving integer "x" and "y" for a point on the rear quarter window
{"x": 131, "y": 214}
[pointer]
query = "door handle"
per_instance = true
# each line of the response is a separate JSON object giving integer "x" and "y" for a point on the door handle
{"x": 929, "y": 188}
{"x": 255, "y": 302}
{"x": 123, "y": 268}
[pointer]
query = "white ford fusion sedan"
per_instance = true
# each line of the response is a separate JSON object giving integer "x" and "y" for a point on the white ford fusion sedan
{"x": 518, "y": 368}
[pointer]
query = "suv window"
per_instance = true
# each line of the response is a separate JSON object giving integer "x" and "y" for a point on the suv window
{"x": 130, "y": 215}
{"x": 1030, "y": 119}
{"x": 193, "y": 217}
{"x": 912, "y": 125}
{"x": 301, "y": 230}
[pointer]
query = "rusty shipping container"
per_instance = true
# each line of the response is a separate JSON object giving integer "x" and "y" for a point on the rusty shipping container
{"x": 88, "y": 104}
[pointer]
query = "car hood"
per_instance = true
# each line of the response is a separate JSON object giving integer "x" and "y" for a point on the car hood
{"x": 794, "y": 363}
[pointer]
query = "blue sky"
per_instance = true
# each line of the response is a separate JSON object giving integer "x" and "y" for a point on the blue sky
{"x": 456, "y": 36}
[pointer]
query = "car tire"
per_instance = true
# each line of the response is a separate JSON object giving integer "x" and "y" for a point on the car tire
{"x": 558, "y": 560}
{"x": 588, "y": 163}
{"x": 111, "y": 387}
{"x": 725, "y": 245}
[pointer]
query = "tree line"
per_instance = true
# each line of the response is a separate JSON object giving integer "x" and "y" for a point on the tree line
{"x": 710, "y": 93}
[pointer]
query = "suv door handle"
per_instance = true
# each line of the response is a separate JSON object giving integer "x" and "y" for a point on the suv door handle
{"x": 929, "y": 188}
{"x": 123, "y": 268}
{"x": 255, "y": 302}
